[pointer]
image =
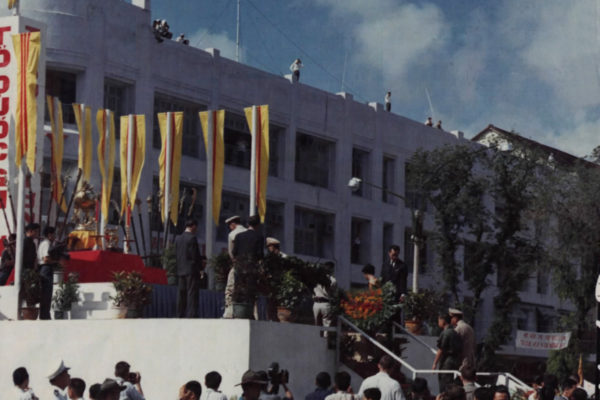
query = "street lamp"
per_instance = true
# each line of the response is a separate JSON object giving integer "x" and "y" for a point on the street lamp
{"x": 417, "y": 236}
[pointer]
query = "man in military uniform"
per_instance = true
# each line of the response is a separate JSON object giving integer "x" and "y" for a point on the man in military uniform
{"x": 448, "y": 356}
{"x": 467, "y": 335}
{"x": 59, "y": 379}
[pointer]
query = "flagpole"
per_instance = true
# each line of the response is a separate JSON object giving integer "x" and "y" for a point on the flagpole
{"x": 106, "y": 168}
{"x": 20, "y": 230}
{"x": 210, "y": 134}
{"x": 253, "y": 162}
{"x": 129, "y": 167}
{"x": 82, "y": 137}
{"x": 168, "y": 172}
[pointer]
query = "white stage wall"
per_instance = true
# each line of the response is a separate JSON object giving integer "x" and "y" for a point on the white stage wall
{"x": 167, "y": 352}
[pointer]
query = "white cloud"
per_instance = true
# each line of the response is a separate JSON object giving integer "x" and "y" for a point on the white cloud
{"x": 204, "y": 39}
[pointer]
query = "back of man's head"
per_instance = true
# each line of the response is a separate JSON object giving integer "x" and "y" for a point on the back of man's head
{"x": 386, "y": 363}
{"x": 323, "y": 380}
{"x": 372, "y": 394}
{"x": 49, "y": 230}
{"x": 94, "y": 391}
{"x": 454, "y": 392}
{"x": 483, "y": 393}
{"x": 342, "y": 381}
{"x": 122, "y": 369}
{"x": 190, "y": 223}
{"x": 419, "y": 386}
{"x": 212, "y": 380}
{"x": 20, "y": 375}
{"x": 77, "y": 385}
{"x": 568, "y": 383}
{"x": 254, "y": 221}
{"x": 194, "y": 387}
{"x": 579, "y": 394}
{"x": 468, "y": 373}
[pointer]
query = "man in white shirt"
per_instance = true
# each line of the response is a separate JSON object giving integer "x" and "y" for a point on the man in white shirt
{"x": 390, "y": 388}
{"x": 76, "y": 389}
{"x": 59, "y": 379}
{"x": 131, "y": 381}
{"x": 321, "y": 297}
{"x": 212, "y": 381}
{"x": 47, "y": 265}
{"x": 388, "y": 101}
{"x": 235, "y": 227}
{"x": 21, "y": 381}
{"x": 295, "y": 68}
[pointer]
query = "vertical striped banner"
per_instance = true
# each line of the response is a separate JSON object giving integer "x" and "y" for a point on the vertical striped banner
{"x": 133, "y": 155}
{"x": 169, "y": 160}
{"x": 57, "y": 139}
{"x": 213, "y": 126}
{"x": 83, "y": 117}
{"x": 27, "y": 52}
{"x": 258, "y": 120}
{"x": 105, "y": 121}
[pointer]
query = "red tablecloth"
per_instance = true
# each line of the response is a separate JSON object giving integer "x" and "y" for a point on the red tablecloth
{"x": 98, "y": 266}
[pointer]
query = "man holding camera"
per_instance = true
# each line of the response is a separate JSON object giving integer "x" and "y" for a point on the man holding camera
{"x": 275, "y": 377}
{"x": 131, "y": 381}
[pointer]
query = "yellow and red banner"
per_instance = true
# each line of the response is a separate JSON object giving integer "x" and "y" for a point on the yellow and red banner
{"x": 11, "y": 3}
{"x": 57, "y": 140}
{"x": 133, "y": 154}
{"x": 83, "y": 117}
{"x": 213, "y": 126}
{"x": 105, "y": 120}
{"x": 261, "y": 146}
{"x": 27, "y": 52}
{"x": 169, "y": 162}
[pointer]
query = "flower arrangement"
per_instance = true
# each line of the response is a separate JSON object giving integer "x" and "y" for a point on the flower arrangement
{"x": 132, "y": 291}
{"x": 291, "y": 291}
{"x": 371, "y": 308}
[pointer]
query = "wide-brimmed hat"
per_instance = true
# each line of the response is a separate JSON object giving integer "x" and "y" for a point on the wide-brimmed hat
{"x": 454, "y": 311}
{"x": 61, "y": 368}
{"x": 272, "y": 241}
{"x": 234, "y": 218}
{"x": 252, "y": 377}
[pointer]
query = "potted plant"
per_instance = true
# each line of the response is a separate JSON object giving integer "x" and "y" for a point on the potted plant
{"x": 131, "y": 292}
{"x": 31, "y": 291}
{"x": 419, "y": 307}
{"x": 370, "y": 309}
{"x": 245, "y": 290}
{"x": 66, "y": 294}
{"x": 169, "y": 262}
{"x": 220, "y": 264}
{"x": 289, "y": 295}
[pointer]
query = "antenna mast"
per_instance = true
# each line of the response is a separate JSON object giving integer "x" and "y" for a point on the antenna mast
{"x": 237, "y": 36}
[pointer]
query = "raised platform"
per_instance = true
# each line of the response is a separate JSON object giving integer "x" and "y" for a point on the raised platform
{"x": 167, "y": 352}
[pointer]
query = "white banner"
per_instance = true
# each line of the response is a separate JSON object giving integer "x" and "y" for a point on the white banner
{"x": 542, "y": 341}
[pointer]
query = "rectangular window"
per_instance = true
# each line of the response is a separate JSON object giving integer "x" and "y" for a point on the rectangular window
{"x": 64, "y": 86}
{"x": 387, "y": 180}
{"x": 360, "y": 169}
{"x": 315, "y": 161}
{"x": 360, "y": 234}
{"x": 274, "y": 222}
{"x": 118, "y": 97}
{"x": 191, "y": 123}
{"x": 388, "y": 237}
{"x": 415, "y": 199}
{"x": 276, "y": 149}
{"x": 313, "y": 233}
{"x": 542, "y": 281}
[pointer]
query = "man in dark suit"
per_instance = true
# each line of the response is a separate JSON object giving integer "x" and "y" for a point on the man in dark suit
{"x": 189, "y": 266}
{"x": 249, "y": 244}
{"x": 395, "y": 271}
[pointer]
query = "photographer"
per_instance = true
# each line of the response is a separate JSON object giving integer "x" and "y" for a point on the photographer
{"x": 131, "y": 381}
{"x": 275, "y": 377}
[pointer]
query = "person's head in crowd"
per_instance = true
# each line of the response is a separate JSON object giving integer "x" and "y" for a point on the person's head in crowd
{"x": 212, "y": 380}
{"x": 323, "y": 380}
{"x": 579, "y": 394}
{"x": 254, "y": 221}
{"x": 372, "y": 394}
{"x": 110, "y": 390}
{"x": 550, "y": 381}
{"x": 483, "y": 393}
{"x": 94, "y": 391}
{"x": 233, "y": 221}
{"x": 420, "y": 389}
{"x": 394, "y": 252}
{"x": 501, "y": 393}
{"x": 49, "y": 232}
{"x": 342, "y": 381}
{"x": 538, "y": 381}
{"x": 443, "y": 320}
{"x": 76, "y": 388}
{"x": 60, "y": 376}
{"x": 329, "y": 266}
{"x": 122, "y": 370}
{"x": 252, "y": 384}
{"x": 273, "y": 245}
{"x": 368, "y": 271}
{"x": 455, "y": 315}
{"x": 385, "y": 364}
{"x": 191, "y": 225}
{"x": 453, "y": 391}
{"x": 32, "y": 230}
{"x": 263, "y": 377}
{"x": 568, "y": 386}
{"x": 467, "y": 374}
{"x": 21, "y": 377}
{"x": 190, "y": 391}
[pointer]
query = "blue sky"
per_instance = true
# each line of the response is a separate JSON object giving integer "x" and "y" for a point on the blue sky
{"x": 530, "y": 66}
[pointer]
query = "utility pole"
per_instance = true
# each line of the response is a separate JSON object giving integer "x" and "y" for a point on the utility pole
{"x": 237, "y": 35}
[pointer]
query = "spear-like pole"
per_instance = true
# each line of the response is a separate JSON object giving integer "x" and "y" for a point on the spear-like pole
{"x": 138, "y": 203}
{"x": 150, "y": 213}
{"x": 62, "y": 228}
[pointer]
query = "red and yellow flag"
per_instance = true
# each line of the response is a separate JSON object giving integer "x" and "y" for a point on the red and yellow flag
{"x": 133, "y": 154}
{"x": 27, "y": 52}
{"x": 84, "y": 126}
{"x": 57, "y": 140}
{"x": 261, "y": 141}
{"x": 169, "y": 162}
{"x": 215, "y": 154}
{"x": 105, "y": 120}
